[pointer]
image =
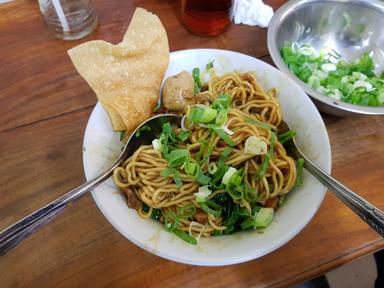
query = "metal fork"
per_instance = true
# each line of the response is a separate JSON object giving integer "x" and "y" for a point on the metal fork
{"x": 373, "y": 216}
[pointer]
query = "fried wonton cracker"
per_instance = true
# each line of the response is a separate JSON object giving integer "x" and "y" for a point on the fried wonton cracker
{"x": 126, "y": 77}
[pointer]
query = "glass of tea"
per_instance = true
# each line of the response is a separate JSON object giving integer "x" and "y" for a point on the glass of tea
{"x": 207, "y": 17}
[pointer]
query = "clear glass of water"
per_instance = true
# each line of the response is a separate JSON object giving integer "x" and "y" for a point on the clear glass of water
{"x": 69, "y": 19}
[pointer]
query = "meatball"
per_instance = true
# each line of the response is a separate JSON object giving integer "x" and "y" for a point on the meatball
{"x": 178, "y": 92}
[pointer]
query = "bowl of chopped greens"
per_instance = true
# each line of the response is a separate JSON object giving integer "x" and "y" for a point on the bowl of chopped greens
{"x": 334, "y": 50}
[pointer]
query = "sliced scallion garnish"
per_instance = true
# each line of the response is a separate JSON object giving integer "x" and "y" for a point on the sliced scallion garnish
{"x": 196, "y": 80}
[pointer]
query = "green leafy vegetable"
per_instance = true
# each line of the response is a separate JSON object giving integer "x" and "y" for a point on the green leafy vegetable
{"x": 142, "y": 129}
{"x": 156, "y": 213}
{"x": 196, "y": 80}
{"x": 211, "y": 208}
{"x": 209, "y": 65}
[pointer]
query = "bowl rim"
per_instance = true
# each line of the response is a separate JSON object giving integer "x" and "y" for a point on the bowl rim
{"x": 283, "y": 12}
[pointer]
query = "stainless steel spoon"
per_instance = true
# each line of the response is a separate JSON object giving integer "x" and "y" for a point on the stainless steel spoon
{"x": 373, "y": 216}
{"x": 15, "y": 233}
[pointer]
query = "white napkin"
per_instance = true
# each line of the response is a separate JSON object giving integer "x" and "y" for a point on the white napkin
{"x": 252, "y": 12}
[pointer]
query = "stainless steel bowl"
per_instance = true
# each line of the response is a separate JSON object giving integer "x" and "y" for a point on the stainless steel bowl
{"x": 323, "y": 23}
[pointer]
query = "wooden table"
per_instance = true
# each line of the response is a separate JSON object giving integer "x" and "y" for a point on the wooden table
{"x": 44, "y": 109}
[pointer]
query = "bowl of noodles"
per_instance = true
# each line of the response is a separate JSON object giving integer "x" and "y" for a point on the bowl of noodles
{"x": 219, "y": 188}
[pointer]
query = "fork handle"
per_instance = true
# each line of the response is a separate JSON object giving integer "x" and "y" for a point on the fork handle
{"x": 373, "y": 216}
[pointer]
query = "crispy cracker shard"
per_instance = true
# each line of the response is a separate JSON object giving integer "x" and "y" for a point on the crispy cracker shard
{"x": 126, "y": 77}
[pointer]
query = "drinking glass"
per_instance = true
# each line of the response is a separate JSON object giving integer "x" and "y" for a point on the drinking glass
{"x": 207, "y": 17}
{"x": 69, "y": 19}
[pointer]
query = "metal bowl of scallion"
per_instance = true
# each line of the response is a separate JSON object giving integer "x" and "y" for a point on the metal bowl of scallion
{"x": 334, "y": 49}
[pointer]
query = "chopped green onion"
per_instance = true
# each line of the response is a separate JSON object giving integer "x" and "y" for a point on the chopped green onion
{"x": 196, "y": 80}
{"x": 208, "y": 154}
{"x": 299, "y": 171}
{"x": 351, "y": 82}
{"x": 212, "y": 168}
{"x": 223, "y": 101}
{"x": 227, "y": 176}
{"x": 255, "y": 146}
{"x": 237, "y": 178}
{"x": 177, "y": 157}
{"x": 174, "y": 173}
{"x": 264, "y": 217}
{"x": 284, "y": 137}
{"x": 201, "y": 114}
{"x": 225, "y": 153}
{"x": 203, "y": 194}
{"x": 167, "y": 137}
{"x": 263, "y": 168}
{"x": 171, "y": 216}
{"x": 157, "y": 145}
{"x": 235, "y": 191}
{"x": 183, "y": 135}
{"x": 191, "y": 167}
{"x": 142, "y": 129}
{"x": 186, "y": 211}
{"x": 272, "y": 145}
{"x": 211, "y": 208}
{"x": 185, "y": 236}
{"x": 202, "y": 150}
{"x": 218, "y": 176}
{"x": 227, "y": 139}
{"x": 222, "y": 117}
{"x": 258, "y": 123}
{"x": 201, "y": 178}
{"x": 250, "y": 193}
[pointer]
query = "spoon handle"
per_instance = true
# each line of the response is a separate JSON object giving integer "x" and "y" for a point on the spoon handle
{"x": 373, "y": 216}
{"x": 15, "y": 233}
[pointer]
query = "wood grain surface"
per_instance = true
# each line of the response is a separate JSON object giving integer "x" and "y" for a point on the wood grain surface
{"x": 44, "y": 109}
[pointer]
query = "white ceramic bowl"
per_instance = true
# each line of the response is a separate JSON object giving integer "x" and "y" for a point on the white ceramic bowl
{"x": 102, "y": 146}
